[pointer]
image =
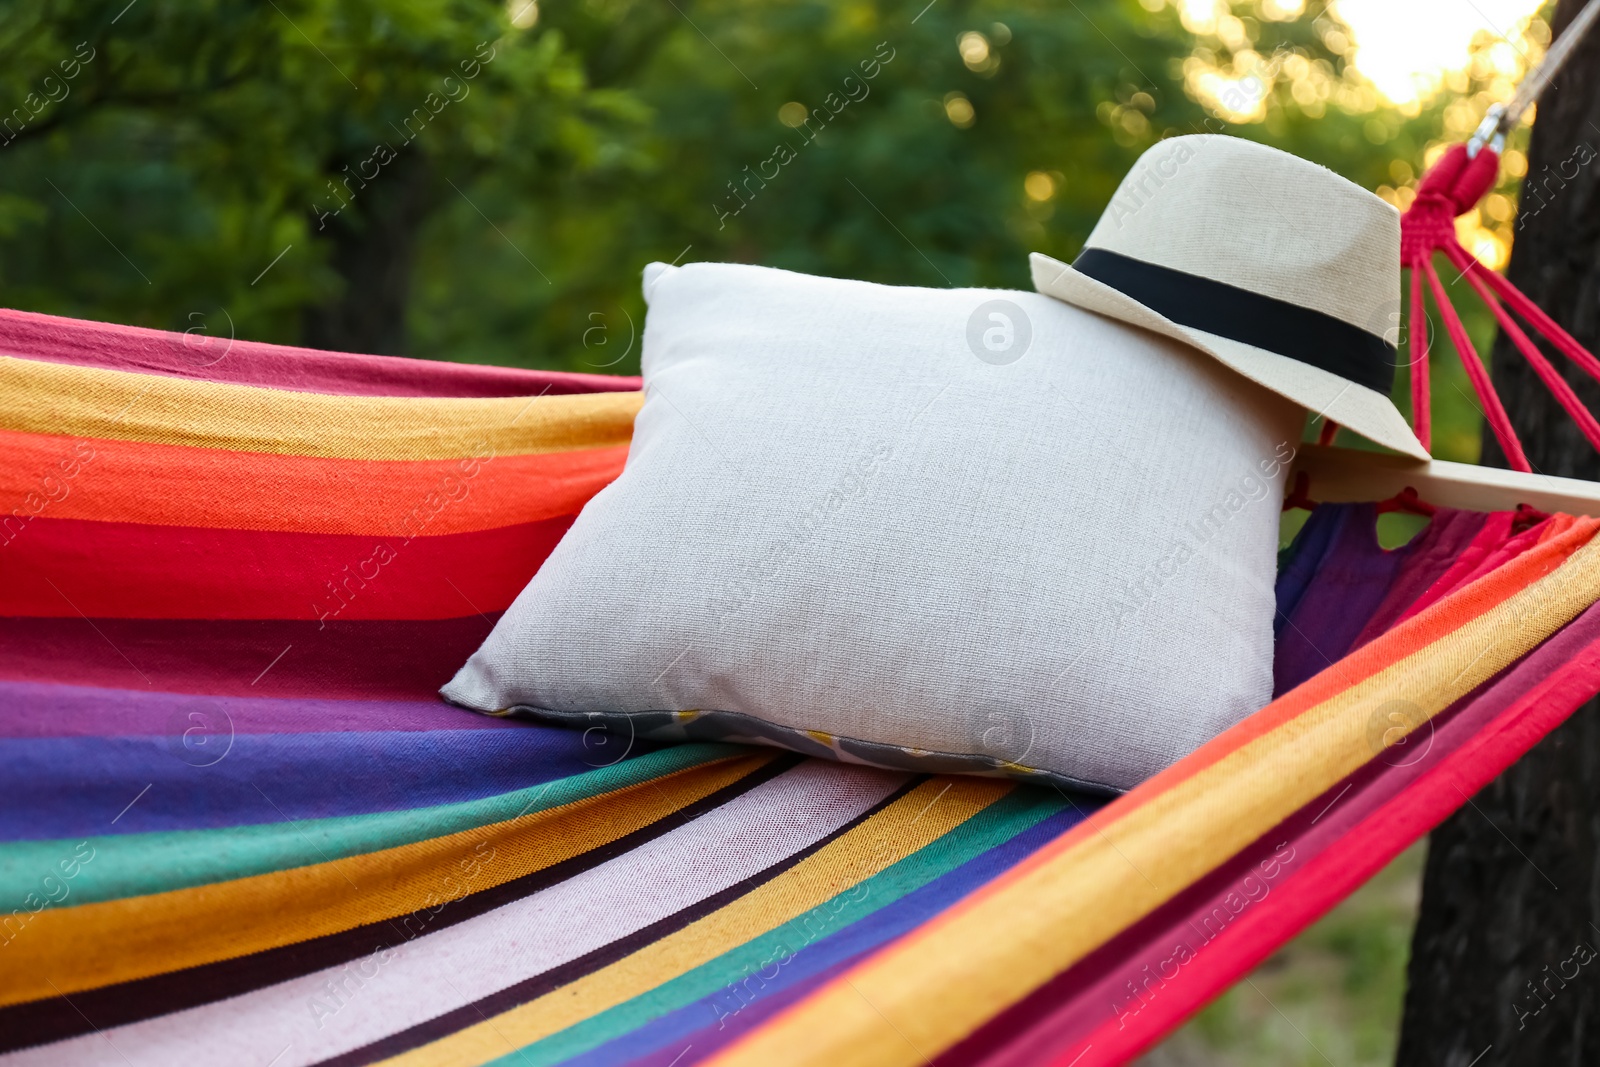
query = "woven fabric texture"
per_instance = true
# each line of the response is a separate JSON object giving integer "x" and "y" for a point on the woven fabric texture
{"x": 260, "y": 837}
{"x": 839, "y": 518}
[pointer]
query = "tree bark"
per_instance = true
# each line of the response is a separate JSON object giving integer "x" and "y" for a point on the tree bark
{"x": 1511, "y": 892}
{"x": 372, "y": 246}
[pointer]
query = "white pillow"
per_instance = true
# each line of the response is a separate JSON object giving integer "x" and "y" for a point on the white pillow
{"x": 959, "y": 529}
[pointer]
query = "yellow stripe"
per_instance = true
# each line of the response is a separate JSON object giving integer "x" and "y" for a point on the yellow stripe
{"x": 934, "y": 989}
{"x": 917, "y": 819}
{"x": 54, "y": 398}
{"x": 75, "y": 948}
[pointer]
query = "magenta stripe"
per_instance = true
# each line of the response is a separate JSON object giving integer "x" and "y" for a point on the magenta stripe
{"x": 1432, "y": 554}
{"x": 210, "y": 356}
{"x": 1147, "y": 959}
{"x": 43, "y": 709}
{"x": 377, "y": 659}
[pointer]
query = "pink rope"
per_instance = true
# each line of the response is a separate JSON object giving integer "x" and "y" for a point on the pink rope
{"x": 1417, "y": 345}
{"x": 1564, "y": 341}
{"x": 1541, "y": 366}
{"x": 1455, "y": 185}
{"x": 1493, "y": 409}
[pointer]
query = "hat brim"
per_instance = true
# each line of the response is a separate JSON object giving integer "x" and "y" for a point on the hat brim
{"x": 1355, "y": 407}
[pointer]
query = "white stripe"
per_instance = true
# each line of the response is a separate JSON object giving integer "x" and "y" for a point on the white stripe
{"x": 453, "y": 967}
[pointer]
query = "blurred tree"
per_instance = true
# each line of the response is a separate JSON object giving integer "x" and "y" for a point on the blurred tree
{"x": 985, "y": 130}
{"x": 477, "y": 181}
{"x": 159, "y": 161}
{"x": 1499, "y": 970}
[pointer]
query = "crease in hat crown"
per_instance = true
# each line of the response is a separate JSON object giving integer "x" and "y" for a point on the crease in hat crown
{"x": 1260, "y": 219}
{"x": 1312, "y": 262}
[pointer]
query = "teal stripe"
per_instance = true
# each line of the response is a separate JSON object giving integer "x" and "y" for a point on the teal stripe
{"x": 127, "y": 865}
{"x": 994, "y": 826}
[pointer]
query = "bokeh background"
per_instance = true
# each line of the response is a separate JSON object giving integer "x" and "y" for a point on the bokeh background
{"x": 481, "y": 180}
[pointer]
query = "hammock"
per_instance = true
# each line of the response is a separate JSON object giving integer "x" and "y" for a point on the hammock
{"x": 242, "y": 827}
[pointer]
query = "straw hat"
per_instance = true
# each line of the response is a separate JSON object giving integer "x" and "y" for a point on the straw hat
{"x": 1281, "y": 269}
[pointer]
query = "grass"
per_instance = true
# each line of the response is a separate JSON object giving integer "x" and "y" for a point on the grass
{"x": 1333, "y": 995}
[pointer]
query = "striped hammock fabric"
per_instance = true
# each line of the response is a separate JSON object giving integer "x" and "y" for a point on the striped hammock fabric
{"x": 240, "y": 827}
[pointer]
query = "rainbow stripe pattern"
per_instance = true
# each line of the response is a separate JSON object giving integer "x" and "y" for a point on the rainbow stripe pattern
{"x": 241, "y": 827}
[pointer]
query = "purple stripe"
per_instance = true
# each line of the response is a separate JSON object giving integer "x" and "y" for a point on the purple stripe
{"x": 1431, "y": 554}
{"x": 43, "y": 709}
{"x": 707, "y": 1025}
{"x": 706, "y": 1042}
{"x": 1351, "y": 578}
{"x": 1298, "y": 566}
{"x": 200, "y": 356}
{"x": 1110, "y": 981}
{"x": 76, "y": 786}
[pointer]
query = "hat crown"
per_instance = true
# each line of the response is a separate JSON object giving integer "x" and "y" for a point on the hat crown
{"x": 1262, "y": 220}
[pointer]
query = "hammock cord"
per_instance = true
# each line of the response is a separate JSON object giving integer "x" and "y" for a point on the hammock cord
{"x": 1462, "y": 177}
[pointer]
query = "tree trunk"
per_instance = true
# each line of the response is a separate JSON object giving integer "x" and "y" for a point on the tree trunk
{"x": 371, "y": 229}
{"x": 1503, "y": 962}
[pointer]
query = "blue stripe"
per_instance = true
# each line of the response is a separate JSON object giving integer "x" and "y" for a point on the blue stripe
{"x": 81, "y": 786}
{"x": 733, "y": 1009}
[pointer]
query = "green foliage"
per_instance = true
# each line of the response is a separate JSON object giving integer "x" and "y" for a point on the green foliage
{"x": 196, "y": 145}
{"x": 877, "y": 183}
{"x": 245, "y": 165}
{"x": 1332, "y": 995}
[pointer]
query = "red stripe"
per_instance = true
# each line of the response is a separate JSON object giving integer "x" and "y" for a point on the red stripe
{"x": 206, "y": 353}
{"x": 1495, "y": 535}
{"x": 176, "y": 485}
{"x": 1404, "y": 640}
{"x": 1351, "y": 859}
{"x": 1151, "y": 961}
{"x": 373, "y": 660}
{"x": 70, "y": 567}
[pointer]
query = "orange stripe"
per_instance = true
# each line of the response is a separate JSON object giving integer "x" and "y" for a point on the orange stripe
{"x": 927, "y": 992}
{"x": 1558, "y": 524}
{"x": 154, "y": 484}
{"x": 73, "y": 948}
{"x": 1405, "y": 640}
